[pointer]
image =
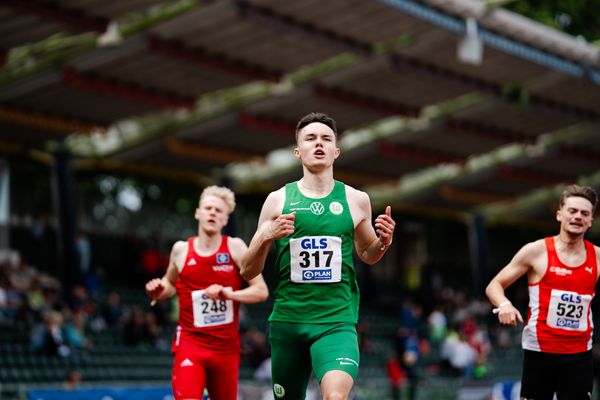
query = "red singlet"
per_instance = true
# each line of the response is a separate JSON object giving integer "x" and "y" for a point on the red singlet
{"x": 560, "y": 318}
{"x": 206, "y": 343}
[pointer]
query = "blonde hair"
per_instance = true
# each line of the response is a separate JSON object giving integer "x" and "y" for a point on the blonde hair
{"x": 221, "y": 192}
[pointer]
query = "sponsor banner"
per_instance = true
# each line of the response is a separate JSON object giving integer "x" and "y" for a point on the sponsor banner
{"x": 108, "y": 393}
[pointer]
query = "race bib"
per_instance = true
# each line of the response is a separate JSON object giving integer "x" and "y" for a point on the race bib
{"x": 208, "y": 312}
{"x": 568, "y": 310}
{"x": 316, "y": 259}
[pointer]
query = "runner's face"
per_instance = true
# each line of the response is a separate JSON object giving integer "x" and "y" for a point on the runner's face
{"x": 575, "y": 216}
{"x": 316, "y": 146}
{"x": 212, "y": 214}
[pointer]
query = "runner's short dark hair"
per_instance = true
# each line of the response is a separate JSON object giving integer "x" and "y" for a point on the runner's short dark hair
{"x": 316, "y": 117}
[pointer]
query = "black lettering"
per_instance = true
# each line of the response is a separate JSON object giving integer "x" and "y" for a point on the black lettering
{"x": 329, "y": 254}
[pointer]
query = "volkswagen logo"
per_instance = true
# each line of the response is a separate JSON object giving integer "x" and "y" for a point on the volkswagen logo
{"x": 317, "y": 208}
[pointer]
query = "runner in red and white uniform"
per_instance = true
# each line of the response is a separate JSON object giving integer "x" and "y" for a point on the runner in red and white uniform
{"x": 203, "y": 272}
{"x": 562, "y": 272}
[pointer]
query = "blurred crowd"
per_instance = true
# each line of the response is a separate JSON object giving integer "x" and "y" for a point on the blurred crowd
{"x": 62, "y": 323}
{"x": 454, "y": 337}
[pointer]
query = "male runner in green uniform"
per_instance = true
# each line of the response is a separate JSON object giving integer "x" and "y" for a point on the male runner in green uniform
{"x": 313, "y": 223}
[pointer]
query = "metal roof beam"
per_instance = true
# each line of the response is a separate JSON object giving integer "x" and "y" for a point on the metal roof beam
{"x": 416, "y": 184}
{"x": 378, "y": 105}
{"x": 152, "y": 171}
{"x": 27, "y": 60}
{"x": 533, "y": 200}
{"x": 578, "y": 66}
{"x": 494, "y": 88}
{"x": 133, "y": 131}
{"x": 281, "y": 161}
{"x": 218, "y": 62}
{"x": 56, "y": 12}
{"x": 287, "y": 24}
{"x": 420, "y": 156}
{"x": 127, "y": 91}
{"x": 263, "y": 123}
{"x": 219, "y": 155}
{"x": 44, "y": 121}
{"x": 479, "y": 129}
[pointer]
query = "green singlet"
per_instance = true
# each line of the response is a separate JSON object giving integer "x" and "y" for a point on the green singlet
{"x": 315, "y": 276}
{"x": 312, "y": 326}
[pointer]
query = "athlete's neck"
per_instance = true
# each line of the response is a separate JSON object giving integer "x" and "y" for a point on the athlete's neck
{"x": 207, "y": 243}
{"x": 569, "y": 242}
{"x": 313, "y": 185}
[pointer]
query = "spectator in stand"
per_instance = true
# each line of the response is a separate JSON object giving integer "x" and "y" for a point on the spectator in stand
{"x": 437, "y": 324}
{"x": 152, "y": 262}
{"x": 254, "y": 347}
{"x": 408, "y": 353}
{"x": 458, "y": 354}
{"x": 364, "y": 343}
{"x": 49, "y": 338}
{"x": 134, "y": 330}
{"x": 21, "y": 275}
{"x": 6, "y": 310}
{"x": 74, "y": 331}
{"x": 112, "y": 309}
{"x": 84, "y": 255}
{"x": 35, "y": 296}
{"x": 396, "y": 376}
{"x": 152, "y": 332}
{"x": 73, "y": 380}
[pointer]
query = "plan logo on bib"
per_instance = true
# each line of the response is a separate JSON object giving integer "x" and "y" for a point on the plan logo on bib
{"x": 317, "y": 208}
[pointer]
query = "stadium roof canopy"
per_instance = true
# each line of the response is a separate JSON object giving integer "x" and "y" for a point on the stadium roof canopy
{"x": 443, "y": 105}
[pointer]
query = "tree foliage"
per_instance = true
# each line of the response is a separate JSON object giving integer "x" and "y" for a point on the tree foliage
{"x": 576, "y": 17}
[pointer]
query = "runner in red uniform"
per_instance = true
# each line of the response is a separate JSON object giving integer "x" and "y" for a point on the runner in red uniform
{"x": 203, "y": 272}
{"x": 562, "y": 272}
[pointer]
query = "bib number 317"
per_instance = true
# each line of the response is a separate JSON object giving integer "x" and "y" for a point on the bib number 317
{"x": 316, "y": 259}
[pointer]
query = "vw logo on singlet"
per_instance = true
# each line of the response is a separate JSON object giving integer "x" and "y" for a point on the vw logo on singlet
{"x": 317, "y": 208}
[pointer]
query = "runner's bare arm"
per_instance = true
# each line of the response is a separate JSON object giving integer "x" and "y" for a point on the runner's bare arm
{"x": 371, "y": 243}
{"x": 272, "y": 225}
{"x": 520, "y": 265}
{"x": 257, "y": 289}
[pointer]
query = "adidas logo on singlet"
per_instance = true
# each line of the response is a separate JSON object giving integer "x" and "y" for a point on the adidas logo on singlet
{"x": 191, "y": 262}
{"x": 186, "y": 363}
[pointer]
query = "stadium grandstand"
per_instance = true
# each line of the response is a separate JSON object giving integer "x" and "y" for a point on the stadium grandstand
{"x": 468, "y": 119}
